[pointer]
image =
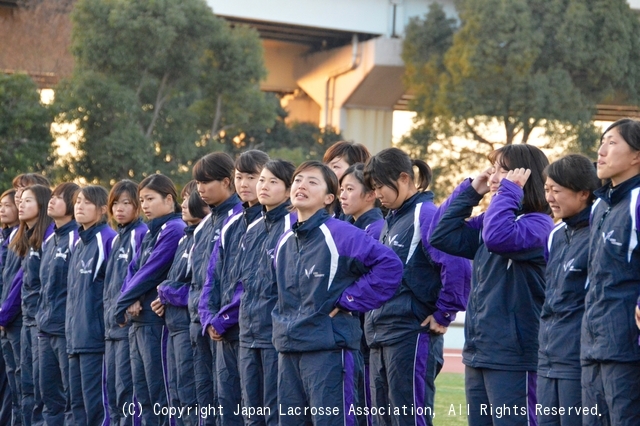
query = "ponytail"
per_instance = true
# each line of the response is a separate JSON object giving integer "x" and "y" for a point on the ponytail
{"x": 425, "y": 174}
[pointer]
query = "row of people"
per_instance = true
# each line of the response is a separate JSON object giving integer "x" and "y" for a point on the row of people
{"x": 255, "y": 304}
{"x": 91, "y": 314}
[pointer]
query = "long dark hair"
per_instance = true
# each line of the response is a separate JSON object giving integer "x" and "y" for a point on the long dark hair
{"x": 328, "y": 176}
{"x": 22, "y": 242}
{"x": 525, "y": 156}
{"x": 385, "y": 169}
{"x": 163, "y": 186}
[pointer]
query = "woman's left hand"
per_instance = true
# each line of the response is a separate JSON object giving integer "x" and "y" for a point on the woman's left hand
{"x": 638, "y": 316}
{"x": 518, "y": 176}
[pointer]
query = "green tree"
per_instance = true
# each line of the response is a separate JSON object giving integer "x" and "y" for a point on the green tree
{"x": 25, "y": 137}
{"x": 518, "y": 66}
{"x": 151, "y": 79}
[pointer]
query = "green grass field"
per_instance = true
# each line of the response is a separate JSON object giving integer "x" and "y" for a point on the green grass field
{"x": 450, "y": 400}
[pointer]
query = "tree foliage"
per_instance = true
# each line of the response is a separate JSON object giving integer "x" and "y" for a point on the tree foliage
{"x": 520, "y": 66}
{"x": 155, "y": 82}
{"x": 25, "y": 139}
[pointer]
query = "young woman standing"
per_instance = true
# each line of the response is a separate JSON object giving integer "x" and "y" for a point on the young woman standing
{"x": 124, "y": 206}
{"x": 406, "y": 333}
{"x": 610, "y": 350}
{"x": 37, "y": 228}
{"x": 9, "y": 221}
{"x": 149, "y": 268}
{"x": 51, "y": 314}
{"x": 569, "y": 187}
{"x": 359, "y": 202}
{"x": 173, "y": 295}
{"x": 214, "y": 176}
{"x": 85, "y": 308}
{"x": 325, "y": 269}
{"x": 506, "y": 244}
{"x": 258, "y": 359}
{"x": 220, "y": 300}
{"x": 339, "y": 157}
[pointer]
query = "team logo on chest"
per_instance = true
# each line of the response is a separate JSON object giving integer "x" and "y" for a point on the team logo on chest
{"x": 34, "y": 253}
{"x": 309, "y": 273}
{"x": 609, "y": 237}
{"x": 123, "y": 254}
{"x": 271, "y": 253}
{"x": 568, "y": 266}
{"x": 393, "y": 242}
{"x": 86, "y": 267}
{"x": 62, "y": 254}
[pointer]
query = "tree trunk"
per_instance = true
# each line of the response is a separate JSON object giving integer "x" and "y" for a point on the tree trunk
{"x": 160, "y": 100}
{"x": 217, "y": 117}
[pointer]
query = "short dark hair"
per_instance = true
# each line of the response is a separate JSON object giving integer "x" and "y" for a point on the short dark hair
{"x": 214, "y": 166}
{"x": 251, "y": 161}
{"x": 350, "y": 152}
{"x": 163, "y": 186}
{"x": 68, "y": 192}
{"x": 575, "y": 172}
{"x": 122, "y": 187}
{"x": 629, "y": 129}
{"x": 329, "y": 177}
{"x": 189, "y": 188}
{"x": 525, "y": 156}
{"x": 196, "y": 205}
{"x": 96, "y": 195}
{"x": 281, "y": 169}
{"x": 385, "y": 169}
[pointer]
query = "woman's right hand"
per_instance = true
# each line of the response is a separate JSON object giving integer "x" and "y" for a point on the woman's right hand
{"x": 481, "y": 182}
{"x": 134, "y": 309}
{"x": 638, "y": 316}
{"x": 157, "y": 307}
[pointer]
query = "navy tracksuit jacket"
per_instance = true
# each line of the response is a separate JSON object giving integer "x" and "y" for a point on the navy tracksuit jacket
{"x": 85, "y": 290}
{"x": 117, "y": 352}
{"x": 405, "y": 357}
{"x": 29, "y": 359}
{"x": 258, "y": 359}
{"x": 371, "y": 222}
{"x": 320, "y": 264}
{"x": 50, "y": 318}
{"x": 147, "y": 338}
{"x": 609, "y": 332}
{"x": 610, "y": 340}
{"x": 85, "y": 324}
{"x": 324, "y": 263}
{"x": 205, "y": 238}
{"x": 559, "y": 370}
{"x": 174, "y": 294}
{"x": 220, "y": 303}
{"x": 566, "y": 279}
